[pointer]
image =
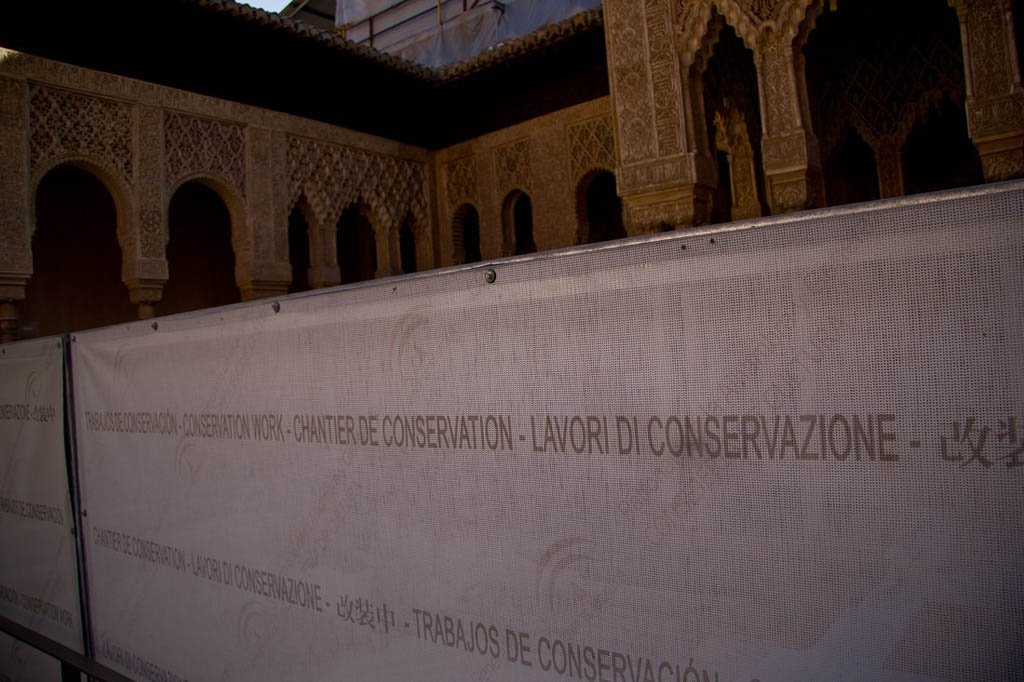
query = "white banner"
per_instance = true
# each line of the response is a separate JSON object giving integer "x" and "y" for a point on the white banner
{"x": 787, "y": 451}
{"x": 21, "y": 663}
{"x": 38, "y": 575}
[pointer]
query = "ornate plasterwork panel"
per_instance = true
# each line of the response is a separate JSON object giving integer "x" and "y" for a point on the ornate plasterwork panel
{"x": 460, "y": 181}
{"x": 512, "y": 166}
{"x": 665, "y": 79}
{"x": 152, "y": 237}
{"x": 15, "y": 243}
{"x": 753, "y": 20}
{"x": 201, "y": 146}
{"x": 627, "y": 40}
{"x": 997, "y": 114}
{"x": 985, "y": 24}
{"x": 334, "y": 176}
{"x": 591, "y": 145}
{"x": 66, "y": 124}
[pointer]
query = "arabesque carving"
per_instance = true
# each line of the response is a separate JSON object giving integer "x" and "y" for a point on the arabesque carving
{"x": 665, "y": 79}
{"x": 70, "y": 124}
{"x": 624, "y": 22}
{"x": 591, "y": 145}
{"x": 460, "y": 181}
{"x": 753, "y": 20}
{"x": 194, "y": 145}
{"x": 512, "y": 166}
{"x": 334, "y": 176}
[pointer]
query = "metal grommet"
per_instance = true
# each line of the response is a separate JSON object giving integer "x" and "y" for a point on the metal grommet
{"x": 490, "y": 276}
{"x": 275, "y": 306}
{"x": 154, "y": 325}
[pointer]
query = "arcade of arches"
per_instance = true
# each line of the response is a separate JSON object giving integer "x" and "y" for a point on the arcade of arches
{"x": 121, "y": 199}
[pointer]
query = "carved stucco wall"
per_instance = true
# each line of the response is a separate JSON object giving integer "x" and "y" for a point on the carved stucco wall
{"x": 995, "y": 97}
{"x": 545, "y": 157}
{"x": 143, "y": 141}
{"x": 663, "y": 163}
{"x": 668, "y": 183}
{"x": 330, "y": 177}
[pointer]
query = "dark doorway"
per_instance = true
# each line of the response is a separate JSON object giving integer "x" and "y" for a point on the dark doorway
{"x": 200, "y": 259}
{"x": 298, "y": 250}
{"x": 76, "y": 259}
{"x": 407, "y": 248}
{"x": 604, "y": 209}
{"x": 357, "y": 246}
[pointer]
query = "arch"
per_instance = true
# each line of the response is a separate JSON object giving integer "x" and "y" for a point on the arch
{"x": 732, "y": 124}
{"x": 938, "y": 154}
{"x": 851, "y": 170}
{"x": 300, "y": 243}
{"x": 882, "y": 79}
{"x": 598, "y": 208}
{"x": 517, "y": 223}
{"x": 356, "y": 243}
{"x": 76, "y": 255}
{"x": 419, "y": 239}
{"x": 201, "y": 260}
{"x": 240, "y": 237}
{"x": 466, "y": 235}
{"x": 116, "y": 186}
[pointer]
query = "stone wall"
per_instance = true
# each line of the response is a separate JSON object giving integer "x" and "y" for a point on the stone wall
{"x": 144, "y": 141}
{"x": 548, "y": 158}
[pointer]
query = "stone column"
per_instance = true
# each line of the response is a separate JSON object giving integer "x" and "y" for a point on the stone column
{"x": 660, "y": 176}
{"x": 145, "y": 269}
{"x": 270, "y": 273}
{"x": 323, "y": 252}
{"x": 262, "y": 269}
{"x": 385, "y": 230}
{"x": 995, "y": 99}
{"x": 15, "y": 231}
{"x": 792, "y": 160}
{"x": 733, "y": 138}
{"x": 889, "y": 160}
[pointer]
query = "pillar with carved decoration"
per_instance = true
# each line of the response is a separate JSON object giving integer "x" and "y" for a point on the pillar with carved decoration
{"x": 995, "y": 97}
{"x": 664, "y": 181}
{"x": 15, "y": 239}
{"x": 792, "y": 160}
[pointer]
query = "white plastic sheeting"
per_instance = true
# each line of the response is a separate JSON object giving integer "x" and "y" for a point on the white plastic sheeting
{"x": 462, "y": 34}
{"x": 38, "y": 566}
{"x": 351, "y": 11}
{"x": 786, "y": 452}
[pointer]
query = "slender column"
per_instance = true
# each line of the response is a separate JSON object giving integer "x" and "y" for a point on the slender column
{"x": 144, "y": 228}
{"x": 323, "y": 254}
{"x": 792, "y": 161}
{"x": 388, "y": 259}
{"x": 890, "y": 170}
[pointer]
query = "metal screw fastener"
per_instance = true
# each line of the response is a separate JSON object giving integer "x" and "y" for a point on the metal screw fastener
{"x": 490, "y": 276}
{"x": 275, "y": 306}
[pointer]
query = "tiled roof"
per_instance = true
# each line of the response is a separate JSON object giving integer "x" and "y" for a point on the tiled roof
{"x": 510, "y": 49}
